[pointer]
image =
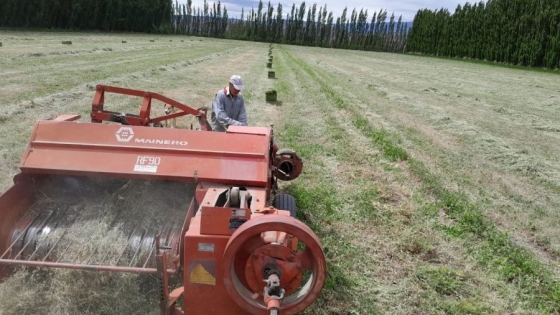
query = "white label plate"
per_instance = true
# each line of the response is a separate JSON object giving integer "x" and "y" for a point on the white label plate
{"x": 206, "y": 247}
{"x": 145, "y": 168}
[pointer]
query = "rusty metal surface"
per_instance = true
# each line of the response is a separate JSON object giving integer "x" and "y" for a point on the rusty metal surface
{"x": 146, "y": 152}
{"x": 204, "y": 291}
{"x": 288, "y": 165}
{"x": 225, "y": 248}
{"x": 13, "y": 204}
{"x": 26, "y": 263}
{"x": 273, "y": 256}
{"x": 99, "y": 114}
{"x": 249, "y": 233}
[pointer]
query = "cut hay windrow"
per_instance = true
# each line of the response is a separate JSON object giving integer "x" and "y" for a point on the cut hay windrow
{"x": 110, "y": 222}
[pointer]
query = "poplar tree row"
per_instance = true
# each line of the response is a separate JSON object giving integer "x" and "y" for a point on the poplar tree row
{"x": 208, "y": 21}
{"x": 302, "y": 25}
{"x": 313, "y": 26}
{"x": 105, "y": 15}
{"x": 519, "y": 32}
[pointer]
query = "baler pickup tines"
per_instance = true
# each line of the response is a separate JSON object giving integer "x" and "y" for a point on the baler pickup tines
{"x": 53, "y": 233}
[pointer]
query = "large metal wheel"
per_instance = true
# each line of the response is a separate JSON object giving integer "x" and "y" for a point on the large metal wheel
{"x": 306, "y": 263}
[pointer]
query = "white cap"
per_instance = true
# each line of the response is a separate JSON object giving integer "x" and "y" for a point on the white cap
{"x": 237, "y": 82}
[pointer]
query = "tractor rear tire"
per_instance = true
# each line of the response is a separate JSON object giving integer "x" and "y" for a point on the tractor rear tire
{"x": 285, "y": 202}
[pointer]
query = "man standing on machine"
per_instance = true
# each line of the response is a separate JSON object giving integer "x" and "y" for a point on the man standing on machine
{"x": 228, "y": 107}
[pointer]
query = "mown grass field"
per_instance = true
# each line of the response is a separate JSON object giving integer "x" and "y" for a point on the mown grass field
{"x": 433, "y": 184}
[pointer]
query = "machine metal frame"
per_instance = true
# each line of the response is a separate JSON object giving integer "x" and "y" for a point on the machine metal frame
{"x": 230, "y": 230}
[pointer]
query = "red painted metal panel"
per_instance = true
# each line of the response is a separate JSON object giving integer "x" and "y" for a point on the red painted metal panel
{"x": 205, "y": 295}
{"x": 263, "y": 131}
{"x": 13, "y": 204}
{"x": 147, "y": 152}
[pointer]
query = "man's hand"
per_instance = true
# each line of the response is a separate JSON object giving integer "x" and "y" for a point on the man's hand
{"x": 202, "y": 111}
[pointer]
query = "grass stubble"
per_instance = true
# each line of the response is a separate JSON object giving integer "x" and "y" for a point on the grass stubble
{"x": 427, "y": 198}
{"x": 485, "y": 269}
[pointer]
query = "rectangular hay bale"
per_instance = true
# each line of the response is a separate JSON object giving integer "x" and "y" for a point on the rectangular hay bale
{"x": 271, "y": 96}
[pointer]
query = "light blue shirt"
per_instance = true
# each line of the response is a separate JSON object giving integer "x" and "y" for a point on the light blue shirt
{"x": 228, "y": 110}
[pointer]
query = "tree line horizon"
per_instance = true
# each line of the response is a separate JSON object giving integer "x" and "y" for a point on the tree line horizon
{"x": 517, "y": 32}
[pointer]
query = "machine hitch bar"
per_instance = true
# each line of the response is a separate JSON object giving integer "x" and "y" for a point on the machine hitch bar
{"x": 99, "y": 114}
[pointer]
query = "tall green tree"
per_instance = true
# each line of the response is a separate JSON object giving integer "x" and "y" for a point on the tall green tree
{"x": 279, "y": 32}
{"x": 521, "y": 32}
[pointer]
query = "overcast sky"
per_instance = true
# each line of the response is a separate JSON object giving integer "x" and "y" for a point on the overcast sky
{"x": 406, "y": 8}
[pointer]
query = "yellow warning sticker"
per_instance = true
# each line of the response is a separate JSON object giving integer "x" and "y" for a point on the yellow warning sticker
{"x": 200, "y": 275}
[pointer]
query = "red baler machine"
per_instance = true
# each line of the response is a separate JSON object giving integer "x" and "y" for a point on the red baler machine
{"x": 237, "y": 247}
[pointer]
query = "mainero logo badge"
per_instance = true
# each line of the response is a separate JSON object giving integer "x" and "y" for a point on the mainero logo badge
{"x": 125, "y": 134}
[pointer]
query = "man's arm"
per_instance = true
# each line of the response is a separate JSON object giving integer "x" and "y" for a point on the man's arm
{"x": 242, "y": 115}
{"x": 221, "y": 115}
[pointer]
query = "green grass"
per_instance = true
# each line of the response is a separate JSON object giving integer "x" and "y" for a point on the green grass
{"x": 489, "y": 63}
{"x": 381, "y": 139}
{"x": 319, "y": 204}
{"x": 443, "y": 280}
{"x": 492, "y": 248}
{"x": 401, "y": 234}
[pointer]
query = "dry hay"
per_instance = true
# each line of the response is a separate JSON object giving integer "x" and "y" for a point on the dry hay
{"x": 99, "y": 221}
{"x": 63, "y": 291}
